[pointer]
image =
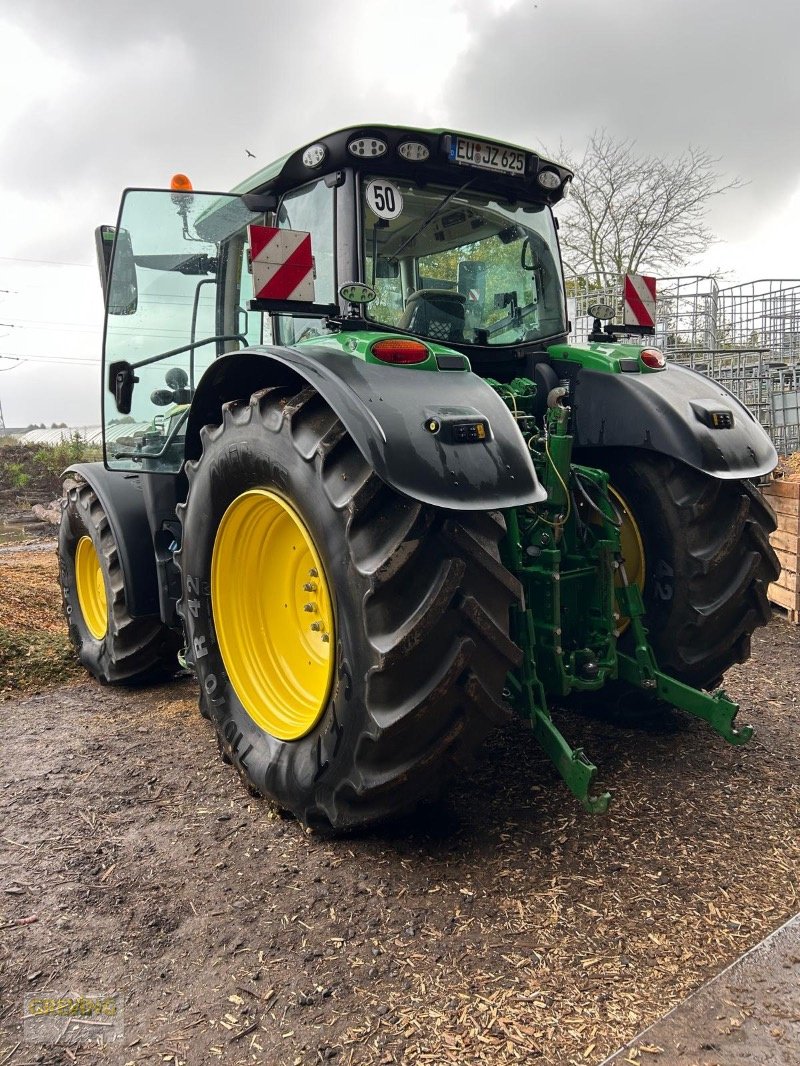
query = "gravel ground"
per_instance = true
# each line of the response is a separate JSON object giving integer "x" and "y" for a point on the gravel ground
{"x": 503, "y": 925}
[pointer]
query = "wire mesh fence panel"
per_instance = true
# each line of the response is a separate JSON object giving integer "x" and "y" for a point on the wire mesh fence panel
{"x": 687, "y": 311}
{"x": 746, "y": 337}
{"x": 785, "y": 402}
{"x": 764, "y": 313}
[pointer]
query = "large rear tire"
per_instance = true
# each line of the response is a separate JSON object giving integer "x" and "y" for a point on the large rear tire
{"x": 286, "y": 528}
{"x": 110, "y": 644}
{"x": 707, "y": 561}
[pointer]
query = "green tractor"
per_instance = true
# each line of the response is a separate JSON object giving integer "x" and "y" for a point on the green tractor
{"x": 358, "y": 482}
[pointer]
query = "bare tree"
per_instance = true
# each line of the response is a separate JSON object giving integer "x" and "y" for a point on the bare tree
{"x": 635, "y": 213}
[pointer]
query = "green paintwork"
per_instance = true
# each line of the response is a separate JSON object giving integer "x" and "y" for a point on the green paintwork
{"x": 567, "y": 563}
{"x": 598, "y": 356}
{"x": 358, "y": 343}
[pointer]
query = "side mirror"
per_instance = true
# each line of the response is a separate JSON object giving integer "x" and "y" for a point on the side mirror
{"x": 121, "y": 380}
{"x": 104, "y": 245}
{"x": 176, "y": 378}
{"x": 118, "y": 279}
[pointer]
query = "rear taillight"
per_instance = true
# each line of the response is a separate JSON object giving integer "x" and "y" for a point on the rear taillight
{"x": 398, "y": 350}
{"x": 653, "y": 358}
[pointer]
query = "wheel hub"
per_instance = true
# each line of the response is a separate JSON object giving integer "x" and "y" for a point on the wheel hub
{"x": 273, "y": 614}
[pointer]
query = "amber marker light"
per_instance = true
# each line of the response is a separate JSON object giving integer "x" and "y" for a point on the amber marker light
{"x": 398, "y": 350}
{"x": 180, "y": 183}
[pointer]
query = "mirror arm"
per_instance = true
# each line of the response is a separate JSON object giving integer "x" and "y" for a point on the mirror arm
{"x": 185, "y": 348}
{"x": 121, "y": 377}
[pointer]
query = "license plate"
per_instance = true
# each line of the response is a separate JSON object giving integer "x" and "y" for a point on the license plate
{"x": 472, "y": 153}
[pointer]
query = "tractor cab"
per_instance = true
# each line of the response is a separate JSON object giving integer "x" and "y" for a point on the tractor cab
{"x": 453, "y": 237}
{"x": 454, "y": 234}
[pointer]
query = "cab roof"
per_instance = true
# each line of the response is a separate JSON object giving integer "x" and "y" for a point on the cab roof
{"x": 339, "y": 150}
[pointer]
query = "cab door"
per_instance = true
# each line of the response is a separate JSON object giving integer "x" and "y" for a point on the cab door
{"x": 177, "y": 289}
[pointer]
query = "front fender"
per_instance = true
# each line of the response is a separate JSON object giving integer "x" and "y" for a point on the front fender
{"x": 664, "y": 412}
{"x": 386, "y": 410}
{"x": 122, "y": 499}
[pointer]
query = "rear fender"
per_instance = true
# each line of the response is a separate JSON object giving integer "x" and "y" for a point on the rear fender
{"x": 389, "y": 412}
{"x": 122, "y": 498}
{"x": 668, "y": 412}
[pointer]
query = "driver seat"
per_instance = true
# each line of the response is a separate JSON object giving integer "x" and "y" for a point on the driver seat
{"x": 435, "y": 313}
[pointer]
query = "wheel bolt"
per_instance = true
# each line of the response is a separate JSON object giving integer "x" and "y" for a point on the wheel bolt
{"x": 316, "y": 626}
{"x": 310, "y": 607}
{"x": 309, "y": 587}
{"x": 313, "y": 572}
{"x": 326, "y": 638}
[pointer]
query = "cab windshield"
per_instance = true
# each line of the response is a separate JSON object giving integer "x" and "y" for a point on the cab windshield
{"x": 460, "y": 267}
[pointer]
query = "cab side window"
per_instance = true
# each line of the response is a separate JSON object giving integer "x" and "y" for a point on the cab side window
{"x": 311, "y": 209}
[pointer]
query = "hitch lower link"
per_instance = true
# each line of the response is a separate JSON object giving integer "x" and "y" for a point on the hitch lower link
{"x": 639, "y": 670}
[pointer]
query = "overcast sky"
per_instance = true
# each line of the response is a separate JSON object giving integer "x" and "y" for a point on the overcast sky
{"x": 96, "y": 95}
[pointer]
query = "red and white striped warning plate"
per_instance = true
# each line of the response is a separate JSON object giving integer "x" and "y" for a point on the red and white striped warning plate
{"x": 639, "y": 301}
{"x": 283, "y": 267}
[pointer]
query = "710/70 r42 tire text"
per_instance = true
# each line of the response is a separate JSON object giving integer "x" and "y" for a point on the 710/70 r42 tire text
{"x": 413, "y": 600}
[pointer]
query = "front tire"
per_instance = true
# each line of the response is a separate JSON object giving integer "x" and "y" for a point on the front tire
{"x": 414, "y": 601}
{"x": 109, "y": 642}
{"x": 707, "y": 561}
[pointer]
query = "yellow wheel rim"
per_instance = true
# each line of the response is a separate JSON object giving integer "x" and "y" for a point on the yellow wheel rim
{"x": 91, "y": 588}
{"x": 272, "y": 614}
{"x": 632, "y": 549}
{"x": 631, "y": 541}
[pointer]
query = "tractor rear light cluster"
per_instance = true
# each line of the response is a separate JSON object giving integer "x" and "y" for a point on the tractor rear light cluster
{"x": 399, "y": 350}
{"x": 653, "y": 358}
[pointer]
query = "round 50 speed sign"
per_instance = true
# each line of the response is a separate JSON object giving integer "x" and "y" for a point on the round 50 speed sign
{"x": 384, "y": 199}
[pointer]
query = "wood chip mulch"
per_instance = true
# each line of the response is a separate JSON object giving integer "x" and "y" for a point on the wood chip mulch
{"x": 503, "y": 925}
